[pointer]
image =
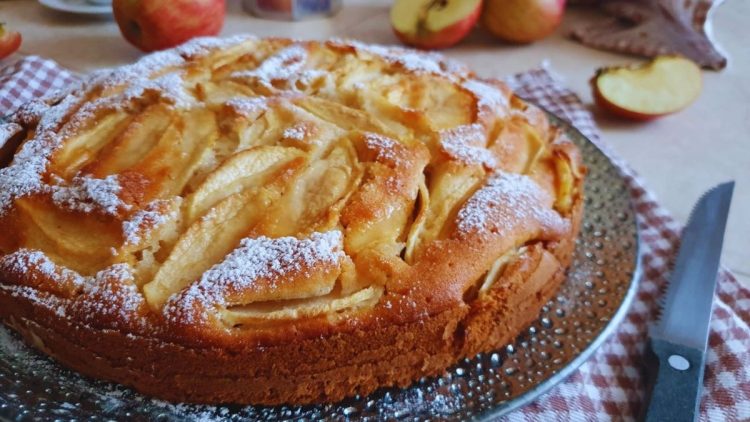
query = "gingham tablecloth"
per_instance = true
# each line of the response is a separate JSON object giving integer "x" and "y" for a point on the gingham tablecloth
{"x": 610, "y": 385}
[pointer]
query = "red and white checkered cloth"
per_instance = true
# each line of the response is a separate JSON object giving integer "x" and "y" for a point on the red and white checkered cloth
{"x": 610, "y": 384}
{"x": 30, "y": 78}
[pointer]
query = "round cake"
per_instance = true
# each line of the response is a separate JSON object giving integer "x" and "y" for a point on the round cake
{"x": 268, "y": 221}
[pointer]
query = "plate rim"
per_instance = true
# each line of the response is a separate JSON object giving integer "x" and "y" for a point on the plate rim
{"x": 60, "y": 6}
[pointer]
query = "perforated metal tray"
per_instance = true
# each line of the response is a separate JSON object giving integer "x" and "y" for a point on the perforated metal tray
{"x": 599, "y": 288}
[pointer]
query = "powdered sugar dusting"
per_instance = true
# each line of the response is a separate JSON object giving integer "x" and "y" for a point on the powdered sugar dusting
{"x": 466, "y": 144}
{"x": 268, "y": 258}
{"x": 23, "y": 261}
{"x": 18, "y": 181}
{"x": 48, "y": 119}
{"x": 248, "y": 106}
{"x": 418, "y": 401}
{"x": 150, "y": 218}
{"x": 257, "y": 258}
{"x": 307, "y": 76}
{"x": 488, "y": 96}
{"x": 385, "y": 147}
{"x": 506, "y": 199}
{"x": 414, "y": 61}
{"x": 32, "y": 265}
{"x": 409, "y": 59}
{"x": 296, "y": 132}
{"x": 142, "y": 69}
{"x": 47, "y": 300}
{"x": 26, "y": 261}
{"x": 170, "y": 87}
{"x": 202, "y": 46}
{"x": 160, "y": 61}
{"x": 7, "y": 131}
{"x": 24, "y": 176}
{"x": 53, "y": 118}
{"x": 30, "y": 113}
{"x": 86, "y": 194}
{"x": 111, "y": 295}
{"x": 146, "y": 75}
{"x": 285, "y": 64}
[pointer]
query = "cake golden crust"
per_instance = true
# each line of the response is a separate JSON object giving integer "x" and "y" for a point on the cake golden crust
{"x": 270, "y": 221}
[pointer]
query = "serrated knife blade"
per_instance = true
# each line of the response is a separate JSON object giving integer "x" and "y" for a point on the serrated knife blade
{"x": 687, "y": 303}
{"x": 678, "y": 340}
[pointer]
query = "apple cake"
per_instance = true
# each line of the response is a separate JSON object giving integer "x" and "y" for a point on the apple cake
{"x": 272, "y": 221}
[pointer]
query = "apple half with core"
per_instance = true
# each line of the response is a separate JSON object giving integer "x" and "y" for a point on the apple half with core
{"x": 522, "y": 21}
{"x": 158, "y": 24}
{"x": 662, "y": 86}
{"x": 432, "y": 24}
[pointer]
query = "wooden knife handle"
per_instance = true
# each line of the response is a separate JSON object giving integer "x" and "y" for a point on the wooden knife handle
{"x": 675, "y": 373}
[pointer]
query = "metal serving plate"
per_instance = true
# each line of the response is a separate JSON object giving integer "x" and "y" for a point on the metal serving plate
{"x": 591, "y": 302}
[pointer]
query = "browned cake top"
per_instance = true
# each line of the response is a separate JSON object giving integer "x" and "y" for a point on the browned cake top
{"x": 264, "y": 189}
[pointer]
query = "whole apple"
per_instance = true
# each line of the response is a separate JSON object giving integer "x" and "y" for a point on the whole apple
{"x": 10, "y": 41}
{"x": 158, "y": 24}
{"x": 522, "y": 21}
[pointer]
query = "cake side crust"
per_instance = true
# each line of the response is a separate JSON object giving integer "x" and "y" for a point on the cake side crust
{"x": 309, "y": 371}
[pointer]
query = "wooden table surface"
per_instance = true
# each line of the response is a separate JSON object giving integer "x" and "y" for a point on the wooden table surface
{"x": 679, "y": 156}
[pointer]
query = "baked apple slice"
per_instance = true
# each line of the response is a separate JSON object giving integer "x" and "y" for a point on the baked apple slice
{"x": 246, "y": 169}
{"x": 663, "y": 86}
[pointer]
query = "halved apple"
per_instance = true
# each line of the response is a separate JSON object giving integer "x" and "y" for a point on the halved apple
{"x": 663, "y": 86}
{"x": 431, "y": 24}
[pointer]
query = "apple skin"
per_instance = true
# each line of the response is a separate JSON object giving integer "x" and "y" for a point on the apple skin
{"x": 446, "y": 37}
{"x": 522, "y": 21}
{"x": 159, "y": 24}
{"x": 10, "y": 41}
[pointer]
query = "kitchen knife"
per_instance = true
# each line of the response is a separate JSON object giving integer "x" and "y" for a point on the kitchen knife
{"x": 678, "y": 340}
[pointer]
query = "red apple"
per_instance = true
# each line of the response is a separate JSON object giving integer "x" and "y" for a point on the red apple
{"x": 9, "y": 41}
{"x": 158, "y": 24}
{"x": 663, "y": 86}
{"x": 431, "y": 24}
{"x": 522, "y": 21}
